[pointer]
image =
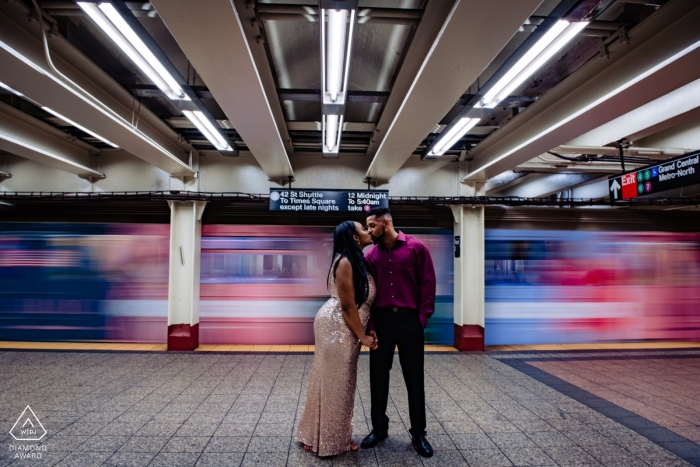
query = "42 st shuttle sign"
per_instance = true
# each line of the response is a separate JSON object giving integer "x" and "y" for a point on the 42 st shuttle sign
{"x": 327, "y": 200}
{"x": 673, "y": 173}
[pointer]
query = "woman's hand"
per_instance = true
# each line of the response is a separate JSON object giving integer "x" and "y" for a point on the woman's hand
{"x": 369, "y": 341}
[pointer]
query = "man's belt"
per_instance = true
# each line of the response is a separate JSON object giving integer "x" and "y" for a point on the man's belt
{"x": 396, "y": 309}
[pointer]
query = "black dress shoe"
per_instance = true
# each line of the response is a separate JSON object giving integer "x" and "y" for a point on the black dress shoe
{"x": 422, "y": 446}
{"x": 372, "y": 439}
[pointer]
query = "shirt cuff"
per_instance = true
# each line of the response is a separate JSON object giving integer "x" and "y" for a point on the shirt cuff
{"x": 424, "y": 319}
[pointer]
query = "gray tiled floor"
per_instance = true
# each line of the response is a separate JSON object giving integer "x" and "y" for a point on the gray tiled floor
{"x": 157, "y": 409}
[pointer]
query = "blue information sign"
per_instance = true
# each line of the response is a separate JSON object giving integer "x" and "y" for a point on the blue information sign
{"x": 297, "y": 200}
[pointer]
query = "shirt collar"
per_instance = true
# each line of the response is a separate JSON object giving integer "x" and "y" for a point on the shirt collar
{"x": 401, "y": 237}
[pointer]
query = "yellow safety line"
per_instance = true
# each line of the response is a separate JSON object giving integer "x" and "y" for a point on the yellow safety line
{"x": 120, "y": 346}
{"x": 160, "y": 347}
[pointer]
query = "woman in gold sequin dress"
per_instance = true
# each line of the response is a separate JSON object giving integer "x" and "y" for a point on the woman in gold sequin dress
{"x": 339, "y": 330}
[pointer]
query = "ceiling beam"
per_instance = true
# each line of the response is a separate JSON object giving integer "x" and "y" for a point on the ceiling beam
{"x": 661, "y": 57}
{"x": 215, "y": 42}
{"x": 666, "y": 107}
{"x": 540, "y": 185}
{"x": 440, "y": 65}
{"x": 33, "y": 139}
{"x": 87, "y": 102}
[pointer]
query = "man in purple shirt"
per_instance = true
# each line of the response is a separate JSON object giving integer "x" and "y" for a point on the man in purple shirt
{"x": 403, "y": 270}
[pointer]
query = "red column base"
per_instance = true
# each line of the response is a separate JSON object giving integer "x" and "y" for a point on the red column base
{"x": 183, "y": 336}
{"x": 469, "y": 337}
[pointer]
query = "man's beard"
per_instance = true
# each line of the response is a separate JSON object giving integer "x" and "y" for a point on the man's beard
{"x": 377, "y": 240}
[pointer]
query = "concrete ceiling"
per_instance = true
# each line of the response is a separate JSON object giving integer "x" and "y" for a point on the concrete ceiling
{"x": 449, "y": 67}
{"x": 255, "y": 66}
{"x": 660, "y": 58}
{"x": 212, "y": 37}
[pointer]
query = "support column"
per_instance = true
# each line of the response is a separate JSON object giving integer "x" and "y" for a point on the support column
{"x": 469, "y": 274}
{"x": 183, "y": 288}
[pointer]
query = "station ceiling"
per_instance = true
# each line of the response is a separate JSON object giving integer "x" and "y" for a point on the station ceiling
{"x": 415, "y": 68}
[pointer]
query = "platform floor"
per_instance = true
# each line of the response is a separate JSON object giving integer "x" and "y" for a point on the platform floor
{"x": 566, "y": 408}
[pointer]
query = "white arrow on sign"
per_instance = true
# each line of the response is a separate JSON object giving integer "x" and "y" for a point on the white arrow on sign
{"x": 615, "y": 187}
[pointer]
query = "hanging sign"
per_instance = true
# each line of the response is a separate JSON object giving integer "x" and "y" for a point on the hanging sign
{"x": 673, "y": 173}
{"x": 327, "y": 200}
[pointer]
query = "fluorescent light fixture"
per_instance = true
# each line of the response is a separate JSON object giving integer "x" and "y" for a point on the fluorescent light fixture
{"x": 337, "y": 20}
{"x": 94, "y": 103}
{"x": 14, "y": 91}
{"x": 71, "y": 122}
{"x": 447, "y": 140}
{"x": 56, "y": 114}
{"x": 337, "y": 27}
{"x": 336, "y": 45}
{"x": 52, "y": 155}
{"x": 112, "y": 23}
{"x": 332, "y": 126}
{"x": 560, "y": 34}
{"x": 588, "y": 107}
{"x": 204, "y": 125}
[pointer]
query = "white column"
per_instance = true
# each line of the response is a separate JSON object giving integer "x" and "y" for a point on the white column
{"x": 469, "y": 273}
{"x": 183, "y": 288}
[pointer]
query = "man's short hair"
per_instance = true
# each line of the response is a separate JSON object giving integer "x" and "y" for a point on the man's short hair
{"x": 379, "y": 212}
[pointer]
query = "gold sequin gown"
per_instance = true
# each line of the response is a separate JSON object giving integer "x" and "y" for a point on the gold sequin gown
{"x": 326, "y": 424}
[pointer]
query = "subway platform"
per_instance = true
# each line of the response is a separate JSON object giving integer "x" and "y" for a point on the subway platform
{"x": 557, "y": 407}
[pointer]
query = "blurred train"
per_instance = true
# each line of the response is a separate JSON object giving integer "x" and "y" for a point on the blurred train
{"x": 264, "y": 284}
{"x": 259, "y": 284}
{"x": 548, "y": 286}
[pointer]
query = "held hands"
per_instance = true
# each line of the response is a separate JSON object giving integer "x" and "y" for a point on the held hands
{"x": 370, "y": 340}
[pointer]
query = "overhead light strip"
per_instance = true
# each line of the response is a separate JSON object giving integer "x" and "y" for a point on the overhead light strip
{"x": 116, "y": 27}
{"x": 593, "y": 104}
{"x": 56, "y": 114}
{"x": 52, "y": 155}
{"x": 205, "y": 127}
{"x": 337, "y": 30}
{"x": 560, "y": 34}
{"x": 93, "y": 102}
{"x": 71, "y": 122}
{"x": 449, "y": 138}
{"x": 111, "y": 22}
{"x": 556, "y": 37}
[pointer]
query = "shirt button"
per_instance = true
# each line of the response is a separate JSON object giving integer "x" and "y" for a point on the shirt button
{"x": 391, "y": 272}
{"x": 391, "y": 284}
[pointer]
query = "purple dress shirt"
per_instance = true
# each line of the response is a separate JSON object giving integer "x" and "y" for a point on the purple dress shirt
{"x": 405, "y": 276}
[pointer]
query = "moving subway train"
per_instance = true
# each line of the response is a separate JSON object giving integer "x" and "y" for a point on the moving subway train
{"x": 264, "y": 284}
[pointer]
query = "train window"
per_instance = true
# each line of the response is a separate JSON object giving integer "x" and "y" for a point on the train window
{"x": 268, "y": 261}
{"x": 219, "y": 263}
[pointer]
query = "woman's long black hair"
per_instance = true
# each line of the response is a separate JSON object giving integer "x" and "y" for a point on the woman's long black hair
{"x": 344, "y": 245}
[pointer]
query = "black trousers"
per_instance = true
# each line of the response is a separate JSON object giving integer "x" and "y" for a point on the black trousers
{"x": 405, "y": 331}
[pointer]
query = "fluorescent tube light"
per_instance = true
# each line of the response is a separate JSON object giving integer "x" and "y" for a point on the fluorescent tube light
{"x": 448, "y": 140}
{"x": 111, "y": 22}
{"x": 207, "y": 129}
{"x": 14, "y": 91}
{"x": 94, "y": 103}
{"x": 52, "y": 155}
{"x": 337, "y": 21}
{"x": 551, "y": 42}
{"x": 337, "y": 27}
{"x": 583, "y": 110}
{"x": 56, "y": 114}
{"x": 67, "y": 120}
{"x": 331, "y": 133}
